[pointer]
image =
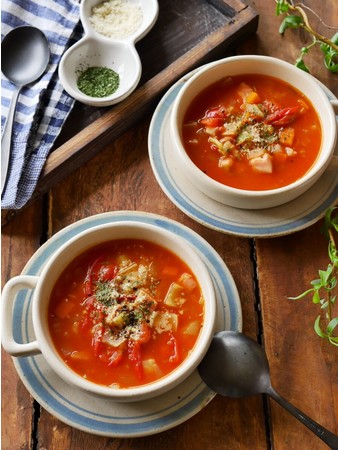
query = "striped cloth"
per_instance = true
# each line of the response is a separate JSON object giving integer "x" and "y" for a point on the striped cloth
{"x": 42, "y": 106}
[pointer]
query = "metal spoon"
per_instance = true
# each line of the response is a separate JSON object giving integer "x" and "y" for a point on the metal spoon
{"x": 236, "y": 366}
{"x": 24, "y": 58}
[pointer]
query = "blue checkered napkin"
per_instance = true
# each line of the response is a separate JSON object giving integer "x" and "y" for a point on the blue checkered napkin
{"x": 42, "y": 106}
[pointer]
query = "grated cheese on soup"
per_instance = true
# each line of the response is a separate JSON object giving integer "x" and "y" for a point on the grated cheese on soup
{"x": 116, "y": 18}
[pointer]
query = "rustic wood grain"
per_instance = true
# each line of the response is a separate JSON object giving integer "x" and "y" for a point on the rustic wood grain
{"x": 302, "y": 365}
{"x": 304, "y": 369}
{"x": 20, "y": 239}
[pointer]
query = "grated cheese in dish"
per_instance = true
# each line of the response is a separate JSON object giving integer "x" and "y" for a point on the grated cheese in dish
{"x": 116, "y": 18}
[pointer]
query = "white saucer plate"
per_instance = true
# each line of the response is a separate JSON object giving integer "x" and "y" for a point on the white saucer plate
{"x": 102, "y": 416}
{"x": 288, "y": 218}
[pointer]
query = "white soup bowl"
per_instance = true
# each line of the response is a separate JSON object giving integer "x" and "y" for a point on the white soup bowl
{"x": 44, "y": 283}
{"x": 239, "y": 65}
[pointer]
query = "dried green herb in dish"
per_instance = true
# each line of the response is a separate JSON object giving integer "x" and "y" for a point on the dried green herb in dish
{"x": 98, "y": 81}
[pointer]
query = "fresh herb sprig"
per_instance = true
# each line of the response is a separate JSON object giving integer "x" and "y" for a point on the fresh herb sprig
{"x": 323, "y": 289}
{"x": 297, "y": 17}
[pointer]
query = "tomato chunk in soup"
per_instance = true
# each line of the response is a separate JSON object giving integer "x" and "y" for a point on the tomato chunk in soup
{"x": 252, "y": 132}
{"x": 125, "y": 313}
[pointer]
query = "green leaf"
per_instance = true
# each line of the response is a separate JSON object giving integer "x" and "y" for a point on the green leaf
{"x": 325, "y": 47}
{"x": 318, "y": 329}
{"x": 329, "y": 220}
{"x": 333, "y": 341}
{"x": 282, "y": 7}
{"x": 332, "y": 284}
{"x": 325, "y": 304}
{"x": 333, "y": 254}
{"x": 316, "y": 297}
{"x": 334, "y": 39}
{"x": 290, "y": 22}
{"x": 301, "y": 65}
{"x": 330, "y": 56}
{"x": 332, "y": 67}
{"x": 325, "y": 274}
{"x": 316, "y": 283}
{"x": 304, "y": 50}
{"x": 332, "y": 325}
{"x": 329, "y": 61}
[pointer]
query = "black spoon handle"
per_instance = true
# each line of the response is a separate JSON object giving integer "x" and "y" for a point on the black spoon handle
{"x": 325, "y": 435}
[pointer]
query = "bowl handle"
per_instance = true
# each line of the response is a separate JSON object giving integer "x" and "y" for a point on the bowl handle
{"x": 8, "y": 295}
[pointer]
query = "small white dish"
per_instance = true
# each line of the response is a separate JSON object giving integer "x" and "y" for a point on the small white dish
{"x": 97, "y": 415}
{"x": 95, "y": 49}
{"x": 261, "y": 223}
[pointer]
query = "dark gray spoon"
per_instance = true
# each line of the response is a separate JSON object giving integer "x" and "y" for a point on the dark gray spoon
{"x": 24, "y": 58}
{"x": 237, "y": 366}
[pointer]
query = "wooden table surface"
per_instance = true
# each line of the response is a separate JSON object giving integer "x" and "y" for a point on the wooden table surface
{"x": 304, "y": 368}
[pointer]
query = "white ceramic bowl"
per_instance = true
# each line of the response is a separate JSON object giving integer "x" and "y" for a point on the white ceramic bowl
{"x": 238, "y": 65}
{"x": 95, "y": 49}
{"x": 43, "y": 285}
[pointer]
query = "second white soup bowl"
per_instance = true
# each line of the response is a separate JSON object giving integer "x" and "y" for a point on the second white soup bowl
{"x": 239, "y": 65}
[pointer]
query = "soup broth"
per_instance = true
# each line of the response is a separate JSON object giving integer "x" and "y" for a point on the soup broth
{"x": 125, "y": 313}
{"x": 252, "y": 132}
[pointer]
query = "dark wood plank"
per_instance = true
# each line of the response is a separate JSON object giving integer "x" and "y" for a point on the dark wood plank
{"x": 303, "y": 367}
{"x": 19, "y": 241}
{"x": 210, "y": 429}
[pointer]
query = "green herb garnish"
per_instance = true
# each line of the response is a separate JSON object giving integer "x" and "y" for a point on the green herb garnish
{"x": 103, "y": 293}
{"x": 297, "y": 17}
{"x": 98, "y": 81}
{"x": 322, "y": 290}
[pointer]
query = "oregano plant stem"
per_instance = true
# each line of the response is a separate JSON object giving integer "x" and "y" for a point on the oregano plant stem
{"x": 324, "y": 288}
{"x": 306, "y": 25}
{"x": 296, "y": 16}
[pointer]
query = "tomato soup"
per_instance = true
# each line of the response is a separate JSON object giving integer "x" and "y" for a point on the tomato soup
{"x": 125, "y": 313}
{"x": 252, "y": 132}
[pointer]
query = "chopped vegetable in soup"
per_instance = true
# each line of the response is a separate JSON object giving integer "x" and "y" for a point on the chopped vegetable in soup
{"x": 125, "y": 313}
{"x": 252, "y": 132}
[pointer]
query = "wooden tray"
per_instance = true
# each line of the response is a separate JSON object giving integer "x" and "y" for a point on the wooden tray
{"x": 187, "y": 34}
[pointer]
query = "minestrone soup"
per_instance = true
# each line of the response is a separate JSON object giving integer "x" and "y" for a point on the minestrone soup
{"x": 252, "y": 132}
{"x": 125, "y": 313}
